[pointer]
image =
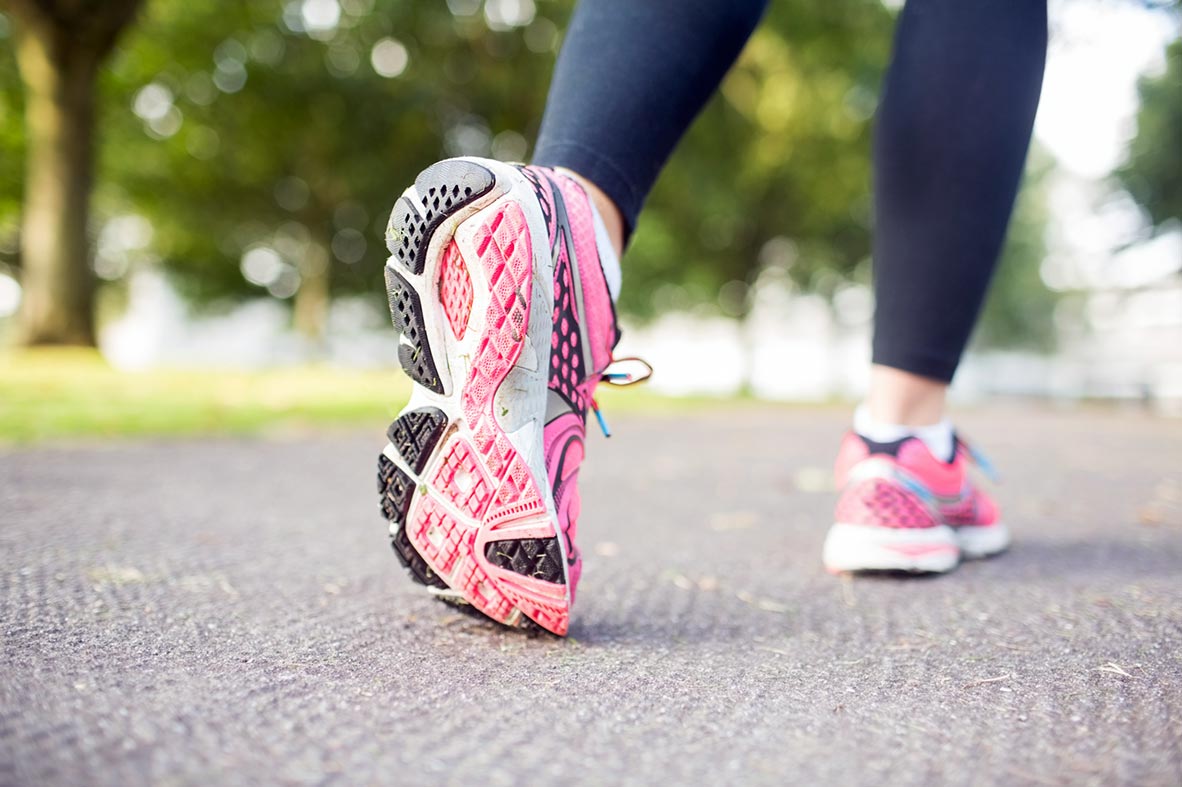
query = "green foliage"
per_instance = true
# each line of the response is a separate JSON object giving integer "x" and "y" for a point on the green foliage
{"x": 12, "y": 146}
{"x": 259, "y": 132}
{"x": 1152, "y": 173}
{"x": 229, "y": 126}
{"x": 68, "y": 394}
{"x": 783, "y": 150}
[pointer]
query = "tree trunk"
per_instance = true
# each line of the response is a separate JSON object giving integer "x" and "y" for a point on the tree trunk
{"x": 57, "y": 305}
{"x": 312, "y": 299}
{"x": 59, "y": 46}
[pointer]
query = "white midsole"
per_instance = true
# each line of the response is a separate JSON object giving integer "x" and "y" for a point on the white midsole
{"x": 850, "y": 547}
{"x": 977, "y": 541}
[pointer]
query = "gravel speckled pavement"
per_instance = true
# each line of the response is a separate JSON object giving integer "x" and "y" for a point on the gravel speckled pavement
{"x": 228, "y": 611}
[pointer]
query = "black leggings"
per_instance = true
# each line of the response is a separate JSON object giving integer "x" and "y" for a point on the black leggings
{"x": 951, "y": 137}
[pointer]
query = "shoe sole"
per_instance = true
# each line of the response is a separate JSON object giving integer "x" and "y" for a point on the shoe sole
{"x": 470, "y": 283}
{"x": 926, "y": 550}
{"x": 982, "y": 541}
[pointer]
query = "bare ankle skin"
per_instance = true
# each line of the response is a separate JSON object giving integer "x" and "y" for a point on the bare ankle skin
{"x": 898, "y": 397}
{"x": 612, "y": 218}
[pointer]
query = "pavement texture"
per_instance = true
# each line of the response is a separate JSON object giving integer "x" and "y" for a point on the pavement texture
{"x": 228, "y": 611}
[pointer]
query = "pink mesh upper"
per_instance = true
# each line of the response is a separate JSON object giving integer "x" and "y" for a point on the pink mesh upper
{"x": 912, "y": 489}
{"x": 597, "y": 304}
{"x": 975, "y": 509}
{"x": 567, "y": 374}
{"x": 878, "y": 501}
{"x": 574, "y": 248}
{"x": 563, "y": 439}
{"x": 945, "y": 479}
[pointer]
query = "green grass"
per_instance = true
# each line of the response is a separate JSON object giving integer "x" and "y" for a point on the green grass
{"x": 53, "y": 395}
{"x": 71, "y": 394}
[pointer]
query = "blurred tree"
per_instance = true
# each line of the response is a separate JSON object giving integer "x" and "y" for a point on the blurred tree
{"x": 776, "y": 172}
{"x": 268, "y": 141}
{"x": 1020, "y": 309}
{"x": 60, "y": 45}
{"x": 782, "y": 152}
{"x": 12, "y": 151}
{"x": 1152, "y": 172}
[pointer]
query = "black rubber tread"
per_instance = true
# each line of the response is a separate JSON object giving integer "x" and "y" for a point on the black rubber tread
{"x": 443, "y": 189}
{"x": 397, "y": 488}
{"x": 416, "y": 434}
{"x": 406, "y": 310}
{"x": 526, "y": 625}
{"x": 540, "y": 558}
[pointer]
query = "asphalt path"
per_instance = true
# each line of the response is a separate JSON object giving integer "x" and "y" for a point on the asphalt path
{"x": 227, "y": 611}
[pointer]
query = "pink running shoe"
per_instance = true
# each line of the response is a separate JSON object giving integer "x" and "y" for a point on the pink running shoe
{"x": 902, "y": 509}
{"x": 507, "y": 323}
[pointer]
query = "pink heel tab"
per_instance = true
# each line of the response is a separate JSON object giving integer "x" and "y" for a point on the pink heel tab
{"x": 852, "y": 450}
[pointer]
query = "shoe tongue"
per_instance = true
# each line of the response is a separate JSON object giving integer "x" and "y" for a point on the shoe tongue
{"x": 609, "y": 261}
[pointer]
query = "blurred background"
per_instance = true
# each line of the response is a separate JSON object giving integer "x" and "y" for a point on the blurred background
{"x": 199, "y": 190}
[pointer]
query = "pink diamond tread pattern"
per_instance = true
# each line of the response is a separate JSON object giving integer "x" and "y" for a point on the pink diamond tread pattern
{"x": 455, "y": 290}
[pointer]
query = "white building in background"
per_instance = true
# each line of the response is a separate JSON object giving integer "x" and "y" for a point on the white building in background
{"x": 1126, "y": 345}
{"x": 1134, "y": 347}
{"x": 1123, "y": 343}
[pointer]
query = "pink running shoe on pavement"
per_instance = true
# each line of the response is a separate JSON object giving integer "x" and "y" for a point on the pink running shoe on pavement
{"x": 903, "y": 509}
{"x": 497, "y": 286}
